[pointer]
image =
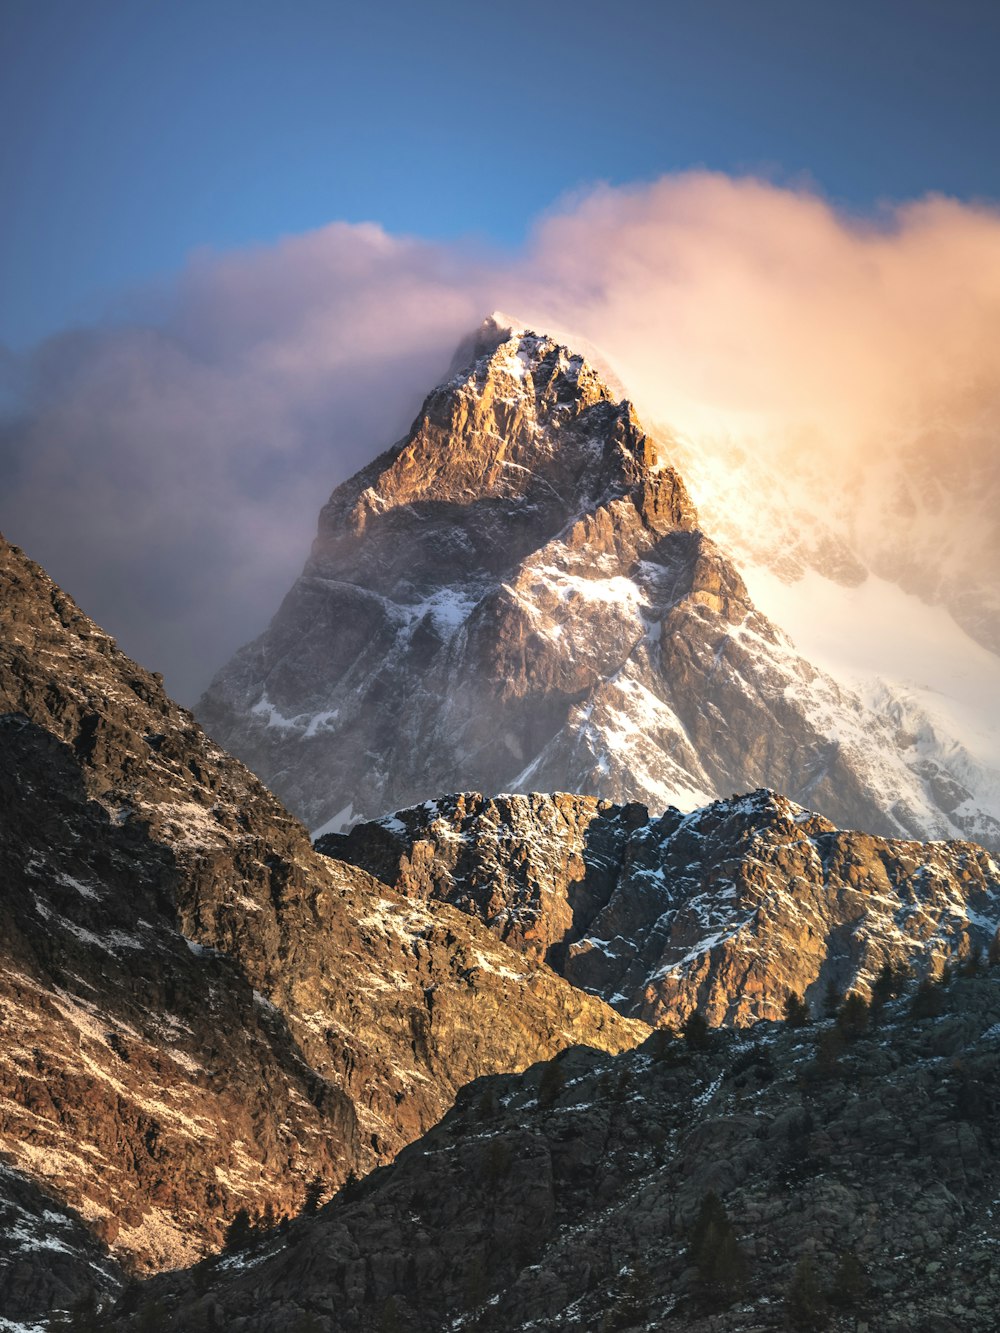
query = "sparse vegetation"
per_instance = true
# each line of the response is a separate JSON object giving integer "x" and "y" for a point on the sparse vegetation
{"x": 796, "y": 1010}
{"x": 805, "y": 1300}
{"x": 696, "y": 1032}
{"x": 715, "y": 1252}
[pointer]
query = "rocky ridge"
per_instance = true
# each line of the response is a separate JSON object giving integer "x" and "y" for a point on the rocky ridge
{"x": 726, "y": 910}
{"x": 200, "y": 1013}
{"x": 834, "y": 1176}
{"x": 519, "y": 596}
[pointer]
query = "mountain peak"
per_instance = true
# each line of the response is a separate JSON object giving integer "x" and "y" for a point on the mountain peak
{"x": 518, "y": 595}
{"x": 518, "y": 445}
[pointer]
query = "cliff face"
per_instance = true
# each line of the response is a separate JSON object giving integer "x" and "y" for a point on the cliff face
{"x": 199, "y": 1012}
{"x": 726, "y": 910}
{"x": 853, "y": 1179}
{"x": 518, "y": 596}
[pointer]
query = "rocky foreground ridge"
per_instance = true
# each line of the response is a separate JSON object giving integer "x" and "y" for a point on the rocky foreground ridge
{"x": 840, "y": 1175}
{"x": 726, "y": 910}
{"x": 519, "y": 595}
{"x": 199, "y": 1014}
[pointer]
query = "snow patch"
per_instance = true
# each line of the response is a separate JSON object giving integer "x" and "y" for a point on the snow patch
{"x": 339, "y": 823}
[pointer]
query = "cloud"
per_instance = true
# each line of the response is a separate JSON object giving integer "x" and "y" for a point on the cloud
{"x": 168, "y": 470}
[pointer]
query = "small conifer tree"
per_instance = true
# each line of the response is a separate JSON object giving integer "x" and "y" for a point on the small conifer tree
{"x": 850, "y": 1282}
{"x": 239, "y": 1233}
{"x": 796, "y": 1010}
{"x": 805, "y": 1303}
{"x": 973, "y": 964}
{"x": 929, "y": 1000}
{"x": 854, "y": 1015}
{"x": 551, "y": 1084}
{"x": 313, "y": 1196}
{"x": 696, "y": 1032}
{"x": 715, "y": 1252}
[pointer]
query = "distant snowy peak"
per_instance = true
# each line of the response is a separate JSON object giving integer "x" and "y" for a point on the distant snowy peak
{"x": 520, "y": 593}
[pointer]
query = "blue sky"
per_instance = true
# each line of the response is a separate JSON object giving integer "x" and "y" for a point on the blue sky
{"x": 197, "y": 340}
{"x": 137, "y": 132}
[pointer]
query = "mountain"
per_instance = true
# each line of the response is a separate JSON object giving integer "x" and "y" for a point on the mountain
{"x": 836, "y": 1176}
{"x": 519, "y": 596}
{"x": 200, "y": 1014}
{"x": 726, "y": 911}
{"x": 886, "y": 579}
{"x": 917, "y": 508}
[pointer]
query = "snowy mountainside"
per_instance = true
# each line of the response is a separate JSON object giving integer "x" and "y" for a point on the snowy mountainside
{"x": 726, "y": 910}
{"x": 889, "y": 584}
{"x": 918, "y": 510}
{"x": 520, "y": 594}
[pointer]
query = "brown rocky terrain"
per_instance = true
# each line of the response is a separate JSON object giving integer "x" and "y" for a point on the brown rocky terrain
{"x": 726, "y": 910}
{"x": 519, "y": 596}
{"x": 200, "y": 1013}
{"x": 835, "y": 1176}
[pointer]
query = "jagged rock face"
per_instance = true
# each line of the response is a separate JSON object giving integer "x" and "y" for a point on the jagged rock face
{"x": 565, "y": 1198}
{"x": 49, "y": 1255}
{"x": 199, "y": 1012}
{"x": 727, "y": 910}
{"x": 518, "y": 596}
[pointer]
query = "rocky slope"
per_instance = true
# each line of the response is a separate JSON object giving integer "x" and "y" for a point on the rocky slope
{"x": 726, "y": 910}
{"x": 518, "y": 596}
{"x": 200, "y": 1013}
{"x": 853, "y": 1169}
{"x": 50, "y": 1259}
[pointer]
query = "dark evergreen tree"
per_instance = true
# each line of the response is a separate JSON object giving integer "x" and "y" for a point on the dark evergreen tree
{"x": 488, "y": 1106}
{"x": 696, "y": 1032}
{"x": 805, "y": 1301}
{"x": 829, "y": 1049}
{"x": 854, "y": 1015}
{"x": 315, "y": 1189}
{"x": 929, "y": 1000}
{"x": 239, "y": 1233}
{"x": 973, "y": 964}
{"x": 850, "y": 1282}
{"x": 715, "y": 1252}
{"x": 890, "y": 982}
{"x": 551, "y": 1084}
{"x": 796, "y": 1010}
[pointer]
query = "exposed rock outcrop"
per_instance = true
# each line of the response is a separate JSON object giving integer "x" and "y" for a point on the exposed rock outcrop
{"x": 200, "y": 1013}
{"x": 853, "y": 1175}
{"x": 727, "y": 910}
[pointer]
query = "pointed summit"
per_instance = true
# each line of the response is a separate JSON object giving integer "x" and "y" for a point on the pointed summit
{"x": 518, "y": 596}
{"x": 522, "y": 441}
{"x": 484, "y": 340}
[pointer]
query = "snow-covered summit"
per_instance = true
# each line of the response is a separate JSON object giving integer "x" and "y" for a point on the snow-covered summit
{"x": 519, "y": 595}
